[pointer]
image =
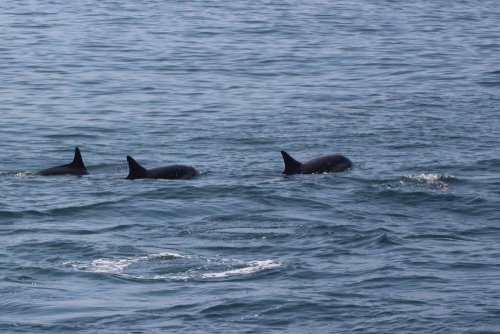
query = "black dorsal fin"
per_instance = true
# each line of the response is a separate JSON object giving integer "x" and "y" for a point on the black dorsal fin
{"x": 77, "y": 160}
{"x": 136, "y": 171}
{"x": 292, "y": 166}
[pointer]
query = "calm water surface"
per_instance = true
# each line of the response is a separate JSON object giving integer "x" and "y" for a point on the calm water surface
{"x": 406, "y": 241}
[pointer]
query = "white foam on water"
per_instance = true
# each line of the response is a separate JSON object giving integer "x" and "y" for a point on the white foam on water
{"x": 429, "y": 178}
{"x": 116, "y": 265}
{"x": 432, "y": 180}
{"x": 167, "y": 277}
{"x": 252, "y": 267}
{"x": 435, "y": 180}
{"x": 111, "y": 265}
{"x": 165, "y": 255}
{"x": 119, "y": 266}
{"x": 23, "y": 174}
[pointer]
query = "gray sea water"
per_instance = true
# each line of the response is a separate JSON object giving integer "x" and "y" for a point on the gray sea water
{"x": 407, "y": 241}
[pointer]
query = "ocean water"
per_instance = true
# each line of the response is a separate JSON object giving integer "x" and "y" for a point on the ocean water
{"x": 407, "y": 241}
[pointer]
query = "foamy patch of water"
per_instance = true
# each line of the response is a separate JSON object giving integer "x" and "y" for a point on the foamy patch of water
{"x": 252, "y": 267}
{"x": 190, "y": 268}
{"x": 117, "y": 265}
{"x": 23, "y": 174}
{"x": 17, "y": 174}
{"x": 165, "y": 277}
{"x": 108, "y": 265}
{"x": 429, "y": 180}
{"x": 434, "y": 180}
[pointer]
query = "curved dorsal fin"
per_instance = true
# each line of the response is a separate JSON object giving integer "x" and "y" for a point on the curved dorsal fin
{"x": 292, "y": 166}
{"x": 135, "y": 169}
{"x": 77, "y": 160}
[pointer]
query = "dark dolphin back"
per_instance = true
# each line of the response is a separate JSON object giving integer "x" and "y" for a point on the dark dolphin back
{"x": 172, "y": 172}
{"x": 326, "y": 164}
{"x": 76, "y": 167}
{"x": 341, "y": 163}
{"x": 292, "y": 166}
{"x": 136, "y": 171}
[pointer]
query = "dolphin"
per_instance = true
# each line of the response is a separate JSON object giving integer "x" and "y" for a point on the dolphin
{"x": 77, "y": 167}
{"x": 325, "y": 164}
{"x": 136, "y": 171}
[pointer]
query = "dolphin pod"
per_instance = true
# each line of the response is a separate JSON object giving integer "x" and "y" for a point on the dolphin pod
{"x": 325, "y": 164}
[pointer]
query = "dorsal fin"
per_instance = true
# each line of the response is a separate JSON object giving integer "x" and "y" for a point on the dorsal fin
{"x": 292, "y": 166}
{"x": 77, "y": 160}
{"x": 135, "y": 170}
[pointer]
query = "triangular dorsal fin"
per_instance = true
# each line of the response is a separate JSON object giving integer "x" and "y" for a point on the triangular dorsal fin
{"x": 135, "y": 170}
{"x": 292, "y": 166}
{"x": 77, "y": 160}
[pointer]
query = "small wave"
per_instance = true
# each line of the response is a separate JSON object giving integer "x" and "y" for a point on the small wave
{"x": 386, "y": 281}
{"x": 371, "y": 241}
{"x": 386, "y": 240}
{"x": 490, "y": 79}
{"x": 249, "y": 233}
{"x": 436, "y": 236}
{"x": 62, "y": 210}
{"x": 488, "y": 163}
{"x": 20, "y": 214}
